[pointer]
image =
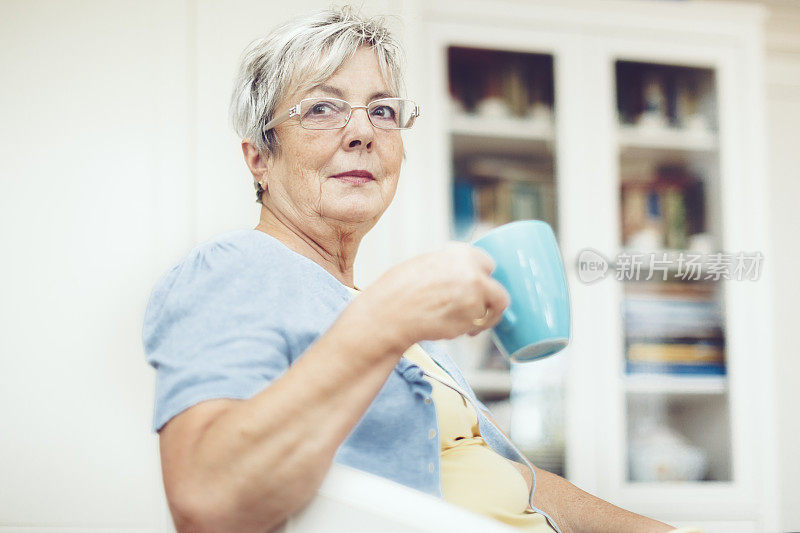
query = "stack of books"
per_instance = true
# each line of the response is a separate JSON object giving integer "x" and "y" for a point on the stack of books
{"x": 669, "y": 201}
{"x": 673, "y": 328}
{"x": 497, "y": 190}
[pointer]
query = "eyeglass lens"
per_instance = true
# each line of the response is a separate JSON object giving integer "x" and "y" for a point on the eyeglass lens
{"x": 331, "y": 113}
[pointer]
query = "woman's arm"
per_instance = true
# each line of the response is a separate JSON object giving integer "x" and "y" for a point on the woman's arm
{"x": 249, "y": 464}
{"x": 576, "y": 510}
{"x": 262, "y": 459}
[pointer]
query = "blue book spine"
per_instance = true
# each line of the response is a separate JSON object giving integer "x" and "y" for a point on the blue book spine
{"x": 463, "y": 208}
{"x": 638, "y": 367}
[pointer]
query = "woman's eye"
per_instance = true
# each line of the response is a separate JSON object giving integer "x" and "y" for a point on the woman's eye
{"x": 322, "y": 107}
{"x": 384, "y": 111}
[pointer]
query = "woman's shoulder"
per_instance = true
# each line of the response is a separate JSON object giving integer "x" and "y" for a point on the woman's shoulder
{"x": 228, "y": 269}
{"x": 213, "y": 257}
{"x": 237, "y": 260}
{"x": 228, "y": 263}
{"x": 240, "y": 252}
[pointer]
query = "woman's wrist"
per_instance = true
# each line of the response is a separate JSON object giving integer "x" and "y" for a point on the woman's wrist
{"x": 372, "y": 324}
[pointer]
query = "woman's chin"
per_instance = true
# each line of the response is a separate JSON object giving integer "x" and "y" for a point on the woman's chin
{"x": 353, "y": 212}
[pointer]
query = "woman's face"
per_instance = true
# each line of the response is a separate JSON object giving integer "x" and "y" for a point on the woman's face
{"x": 299, "y": 180}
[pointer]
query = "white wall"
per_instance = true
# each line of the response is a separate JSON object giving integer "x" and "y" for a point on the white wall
{"x": 783, "y": 122}
{"x": 115, "y": 157}
{"x": 78, "y": 158}
{"x": 782, "y": 77}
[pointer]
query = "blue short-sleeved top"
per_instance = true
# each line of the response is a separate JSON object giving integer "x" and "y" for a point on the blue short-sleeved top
{"x": 230, "y": 318}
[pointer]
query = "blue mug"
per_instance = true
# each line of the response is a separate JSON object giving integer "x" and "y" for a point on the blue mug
{"x": 537, "y": 322}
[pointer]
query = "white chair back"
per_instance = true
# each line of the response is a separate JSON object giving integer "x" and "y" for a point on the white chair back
{"x": 354, "y": 501}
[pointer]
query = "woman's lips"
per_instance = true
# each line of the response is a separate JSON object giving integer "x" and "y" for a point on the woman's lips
{"x": 355, "y": 176}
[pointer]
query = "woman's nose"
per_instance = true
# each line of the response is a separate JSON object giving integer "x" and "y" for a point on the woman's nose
{"x": 359, "y": 131}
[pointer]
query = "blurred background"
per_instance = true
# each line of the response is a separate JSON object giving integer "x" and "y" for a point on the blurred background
{"x": 668, "y": 128}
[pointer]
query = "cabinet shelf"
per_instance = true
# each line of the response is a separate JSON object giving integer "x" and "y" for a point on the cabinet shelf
{"x": 512, "y": 136}
{"x": 661, "y": 384}
{"x": 503, "y": 127}
{"x": 665, "y": 144}
{"x": 490, "y": 383}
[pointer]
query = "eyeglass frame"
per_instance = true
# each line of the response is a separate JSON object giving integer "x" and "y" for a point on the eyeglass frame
{"x": 295, "y": 111}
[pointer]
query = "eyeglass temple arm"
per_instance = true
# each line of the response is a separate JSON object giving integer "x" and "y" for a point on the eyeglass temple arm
{"x": 286, "y": 115}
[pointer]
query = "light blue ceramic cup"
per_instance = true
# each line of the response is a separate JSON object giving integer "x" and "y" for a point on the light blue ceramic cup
{"x": 537, "y": 322}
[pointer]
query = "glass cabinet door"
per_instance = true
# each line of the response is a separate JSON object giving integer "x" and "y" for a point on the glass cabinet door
{"x": 672, "y": 273}
{"x": 501, "y": 133}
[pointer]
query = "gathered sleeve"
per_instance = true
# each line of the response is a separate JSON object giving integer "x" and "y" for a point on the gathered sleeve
{"x": 211, "y": 331}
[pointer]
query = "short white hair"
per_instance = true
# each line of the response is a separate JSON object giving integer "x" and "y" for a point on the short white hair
{"x": 299, "y": 54}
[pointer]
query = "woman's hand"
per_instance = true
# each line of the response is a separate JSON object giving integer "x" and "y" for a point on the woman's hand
{"x": 438, "y": 295}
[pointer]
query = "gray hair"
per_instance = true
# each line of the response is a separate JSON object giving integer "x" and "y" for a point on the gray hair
{"x": 299, "y": 54}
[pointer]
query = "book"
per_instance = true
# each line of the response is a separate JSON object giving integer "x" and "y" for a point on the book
{"x": 660, "y": 330}
{"x": 503, "y": 202}
{"x": 508, "y": 168}
{"x": 669, "y": 201}
{"x": 485, "y": 202}
{"x": 463, "y": 208}
{"x": 638, "y": 308}
{"x": 709, "y": 351}
{"x": 675, "y": 224}
{"x": 637, "y": 367}
{"x": 674, "y": 290}
{"x": 526, "y": 202}
{"x": 648, "y": 316}
{"x": 634, "y": 210}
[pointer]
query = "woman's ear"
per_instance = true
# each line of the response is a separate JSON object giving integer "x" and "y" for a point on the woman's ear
{"x": 258, "y": 164}
{"x": 253, "y": 158}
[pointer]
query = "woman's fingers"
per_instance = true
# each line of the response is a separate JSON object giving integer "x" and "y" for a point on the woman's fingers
{"x": 457, "y": 288}
{"x": 497, "y": 300}
{"x": 495, "y": 295}
{"x": 498, "y": 297}
{"x": 484, "y": 260}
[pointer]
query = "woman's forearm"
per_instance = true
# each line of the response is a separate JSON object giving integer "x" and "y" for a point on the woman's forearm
{"x": 262, "y": 460}
{"x": 577, "y": 511}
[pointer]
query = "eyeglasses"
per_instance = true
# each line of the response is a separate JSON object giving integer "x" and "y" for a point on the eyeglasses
{"x": 333, "y": 113}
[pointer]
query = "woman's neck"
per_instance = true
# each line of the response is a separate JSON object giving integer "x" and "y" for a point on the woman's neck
{"x": 333, "y": 250}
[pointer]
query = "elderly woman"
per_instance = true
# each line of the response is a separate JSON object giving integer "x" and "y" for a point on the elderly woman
{"x": 271, "y": 364}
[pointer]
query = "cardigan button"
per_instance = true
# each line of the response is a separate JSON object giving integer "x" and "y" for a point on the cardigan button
{"x": 428, "y": 401}
{"x": 430, "y": 467}
{"x": 431, "y": 433}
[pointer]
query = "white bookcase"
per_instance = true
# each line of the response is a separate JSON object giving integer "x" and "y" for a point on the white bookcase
{"x": 587, "y": 147}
